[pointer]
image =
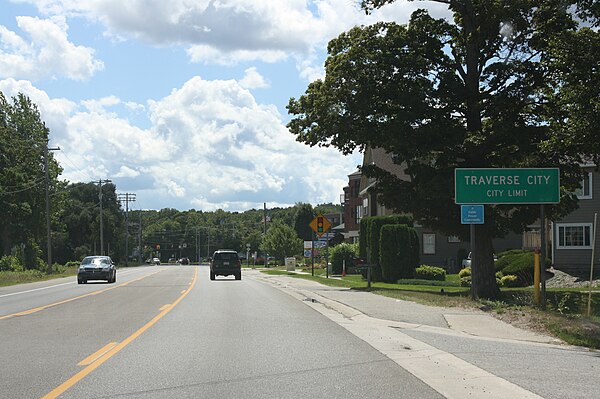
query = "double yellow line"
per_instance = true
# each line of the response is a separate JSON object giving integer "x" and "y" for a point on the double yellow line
{"x": 95, "y": 360}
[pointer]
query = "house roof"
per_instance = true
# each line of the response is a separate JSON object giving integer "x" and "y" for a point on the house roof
{"x": 385, "y": 161}
{"x": 356, "y": 173}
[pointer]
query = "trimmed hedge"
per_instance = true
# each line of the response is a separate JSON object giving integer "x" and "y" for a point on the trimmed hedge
{"x": 425, "y": 272}
{"x": 398, "y": 258}
{"x": 519, "y": 263}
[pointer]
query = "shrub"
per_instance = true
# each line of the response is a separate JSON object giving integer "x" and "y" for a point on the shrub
{"x": 466, "y": 272}
{"x": 10, "y": 263}
{"x": 370, "y": 233}
{"x": 510, "y": 281}
{"x": 465, "y": 281}
{"x": 425, "y": 272}
{"x": 520, "y": 265}
{"x": 397, "y": 252}
{"x": 340, "y": 253}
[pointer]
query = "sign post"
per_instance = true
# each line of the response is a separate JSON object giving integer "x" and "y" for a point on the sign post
{"x": 320, "y": 225}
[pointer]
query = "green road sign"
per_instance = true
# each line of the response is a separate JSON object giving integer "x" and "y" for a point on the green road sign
{"x": 507, "y": 186}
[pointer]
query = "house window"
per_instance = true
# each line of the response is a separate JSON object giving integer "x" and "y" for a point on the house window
{"x": 574, "y": 235}
{"x": 429, "y": 244}
{"x": 585, "y": 191}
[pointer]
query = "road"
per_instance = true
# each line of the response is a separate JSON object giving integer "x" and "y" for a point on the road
{"x": 170, "y": 332}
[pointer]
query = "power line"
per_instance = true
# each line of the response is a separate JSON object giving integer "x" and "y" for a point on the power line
{"x": 31, "y": 185}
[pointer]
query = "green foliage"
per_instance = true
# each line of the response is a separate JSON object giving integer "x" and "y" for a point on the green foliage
{"x": 304, "y": 215}
{"x": 281, "y": 241}
{"x": 370, "y": 241}
{"x": 466, "y": 281}
{"x": 426, "y": 272}
{"x": 363, "y": 238}
{"x": 465, "y": 272}
{"x": 339, "y": 254}
{"x": 509, "y": 281}
{"x": 419, "y": 281}
{"x": 10, "y": 263}
{"x": 397, "y": 254}
{"x": 519, "y": 263}
{"x": 23, "y": 138}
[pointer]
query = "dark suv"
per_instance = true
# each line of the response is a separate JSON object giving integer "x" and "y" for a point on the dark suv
{"x": 224, "y": 263}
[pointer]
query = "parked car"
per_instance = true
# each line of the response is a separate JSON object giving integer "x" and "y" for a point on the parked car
{"x": 96, "y": 268}
{"x": 184, "y": 261}
{"x": 467, "y": 262}
{"x": 156, "y": 261}
{"x": 225, "y": 262}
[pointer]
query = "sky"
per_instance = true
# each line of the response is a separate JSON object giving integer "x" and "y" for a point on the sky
{"x": 183, "y": 102}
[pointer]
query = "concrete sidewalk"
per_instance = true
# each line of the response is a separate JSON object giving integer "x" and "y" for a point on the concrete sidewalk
{"x": 351, "y": 303}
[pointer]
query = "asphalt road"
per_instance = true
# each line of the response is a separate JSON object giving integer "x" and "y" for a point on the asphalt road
{"x": 170, "y": 332}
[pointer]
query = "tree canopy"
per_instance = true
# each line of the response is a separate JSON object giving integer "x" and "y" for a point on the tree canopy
{"x": 505, "y": 84}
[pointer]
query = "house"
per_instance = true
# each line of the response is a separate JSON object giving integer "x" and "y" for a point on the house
{"x": 437, "y": 249}
{"x": 572, "y": 237}
{"x": 352, "y": 205}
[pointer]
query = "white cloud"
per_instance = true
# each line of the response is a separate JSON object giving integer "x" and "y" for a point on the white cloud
{"x": 126, "y": 171}
{"x": 47, "y": 53}
{"x": 228, "y": 32}
{"x": 99, "y": 106}
{"x": 210, "y": 145}
{"x": 253, "y": 80}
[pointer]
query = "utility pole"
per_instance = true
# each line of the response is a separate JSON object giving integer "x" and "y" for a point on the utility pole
{"x": 140, "y": 239}
{"x": 265, "y": 216}
{"x": 128, "y": 197}
{"x": 101, "y": 221}
{"x": 48, "y": 232}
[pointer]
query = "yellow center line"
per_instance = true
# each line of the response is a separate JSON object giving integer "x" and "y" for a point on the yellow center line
{"x": 96, "y": 355}
{"x": 34, "y": 310}
{"x": 164, "y": 307}
{"x": 87, "y": 370}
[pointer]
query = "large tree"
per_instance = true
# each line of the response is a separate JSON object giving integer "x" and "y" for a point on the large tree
{"x": 23, "y": 140}
{"x": 499, "y": 86}
{"x": 304, "y": 215}
{"x": 280, "y": 241}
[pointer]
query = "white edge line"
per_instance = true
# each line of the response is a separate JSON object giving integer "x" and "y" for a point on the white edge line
{"x": 45, "y": 288}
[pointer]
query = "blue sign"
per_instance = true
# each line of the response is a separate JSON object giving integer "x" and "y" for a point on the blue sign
{"x": 471, "y": 214}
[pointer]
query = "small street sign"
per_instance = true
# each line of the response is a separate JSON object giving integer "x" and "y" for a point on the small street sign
{"x": 320, "y": 225}
{"x": 471, "y": 214}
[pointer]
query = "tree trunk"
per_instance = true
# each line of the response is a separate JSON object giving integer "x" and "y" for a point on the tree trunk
{"x": 483, "y": 273}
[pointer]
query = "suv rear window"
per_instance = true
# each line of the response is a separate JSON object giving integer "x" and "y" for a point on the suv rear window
{"x": 232, "y": 257}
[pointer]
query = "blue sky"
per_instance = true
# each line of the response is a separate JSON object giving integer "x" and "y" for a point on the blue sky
{"x": 182, "y": 102}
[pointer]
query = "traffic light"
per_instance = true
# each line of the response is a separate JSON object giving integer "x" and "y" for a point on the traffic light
{"x": 320, "y": 225}
{"x": 158, "y": 246}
